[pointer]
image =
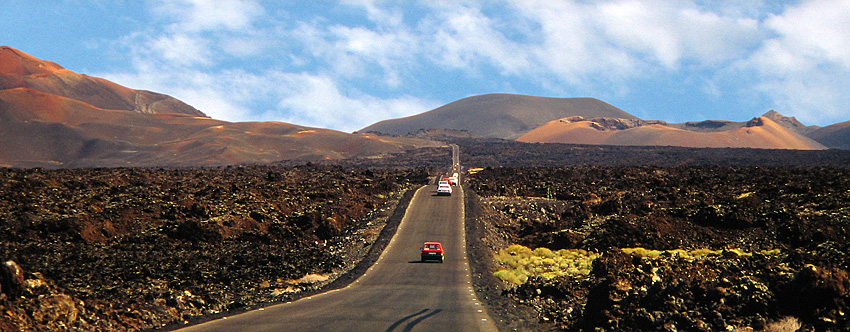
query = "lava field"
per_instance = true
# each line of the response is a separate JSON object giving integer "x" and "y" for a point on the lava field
{"x": 135, "y": 249}
{"x": 777, "y": 238}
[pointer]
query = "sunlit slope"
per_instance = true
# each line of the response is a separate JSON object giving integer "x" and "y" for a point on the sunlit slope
{"x": 498, "y": 115}
{"x": 53, "y": 117}
{"x": 760, "y": 132}
{"x": 21, "y": 70}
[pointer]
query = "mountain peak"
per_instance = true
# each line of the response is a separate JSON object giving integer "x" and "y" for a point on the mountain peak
{"x": 17, "y": 63}
{"x": 21, "y": 70}
{"x": 788, "y": 122}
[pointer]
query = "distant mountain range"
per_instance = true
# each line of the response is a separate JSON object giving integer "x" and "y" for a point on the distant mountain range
{"x": 52, "y": 117}
{"x": 591, "y": 121}
{"x": 760, "y": 132}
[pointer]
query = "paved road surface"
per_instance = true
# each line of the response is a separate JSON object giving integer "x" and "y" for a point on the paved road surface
{"x": 398, "y": 293}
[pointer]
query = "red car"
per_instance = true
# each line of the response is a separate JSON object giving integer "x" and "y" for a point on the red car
{"x": 432, "y": 251}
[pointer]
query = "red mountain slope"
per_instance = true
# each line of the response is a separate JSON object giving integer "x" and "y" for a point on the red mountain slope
{"x": 21, "y": 70}
{"x": 52, "y": 117}
{"x": 760, "y": 133}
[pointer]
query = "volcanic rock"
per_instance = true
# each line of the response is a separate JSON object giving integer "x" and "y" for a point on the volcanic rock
{"x": 773, "y": 243}
{"x": 12, "y": 279}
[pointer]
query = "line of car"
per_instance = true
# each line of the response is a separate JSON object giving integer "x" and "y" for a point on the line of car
{"x": 445, "y": 185}
{"x": 432, "y": 250}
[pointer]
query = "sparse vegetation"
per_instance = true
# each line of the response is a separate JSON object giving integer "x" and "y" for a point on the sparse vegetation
{"x": 696, "y": 253}
{"x": 707, "y": 248}
{"x": 521, "y": 262}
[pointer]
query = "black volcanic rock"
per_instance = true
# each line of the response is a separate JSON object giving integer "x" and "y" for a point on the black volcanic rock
{"x": 11, "y": 279}
{"x": 133, "y": 249}
{"x": 779, "y": 239}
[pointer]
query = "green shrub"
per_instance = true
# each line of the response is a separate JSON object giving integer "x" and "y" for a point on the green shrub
{"x": 519, "y": 263}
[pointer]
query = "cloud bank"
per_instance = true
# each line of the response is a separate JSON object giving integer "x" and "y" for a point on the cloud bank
{"x": 346, "y": 65}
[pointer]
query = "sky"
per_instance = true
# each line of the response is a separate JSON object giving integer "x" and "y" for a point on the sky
{"x": 346, "y": 64}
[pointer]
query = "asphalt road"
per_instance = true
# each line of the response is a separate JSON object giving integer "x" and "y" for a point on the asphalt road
{"x": 398, "y": 293}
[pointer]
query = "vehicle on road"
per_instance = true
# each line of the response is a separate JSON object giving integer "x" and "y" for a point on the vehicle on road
{"x": 444, "y": 189}
{"x": 432, "y": 251}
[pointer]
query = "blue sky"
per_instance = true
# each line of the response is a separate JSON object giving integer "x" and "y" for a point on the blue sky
{"x": 344, "y": 65}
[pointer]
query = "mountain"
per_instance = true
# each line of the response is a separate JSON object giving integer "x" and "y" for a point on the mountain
{"x": 21, "y": 70}
{"x": 505, "y": 116}
{"x": 835, "y": 136}
{"x": 761, "y": 132}
{"x": 52, "y": 117}
{"x": 789, "y": 122}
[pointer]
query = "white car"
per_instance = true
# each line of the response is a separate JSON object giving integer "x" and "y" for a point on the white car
{"x": 444, "y": 189}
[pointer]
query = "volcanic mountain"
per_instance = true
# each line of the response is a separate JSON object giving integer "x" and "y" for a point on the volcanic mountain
{"x": 21, "y": 70}
{"x": 760, "y": 132}
{"x": 53, "y": 117}
{"x": 835, "y": 136}
{"x": 505, "y": 116}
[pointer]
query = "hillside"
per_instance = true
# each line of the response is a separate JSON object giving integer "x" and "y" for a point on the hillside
{"x": 761, "y": 132}
{"x": 54, "y": 118}
{"x": 21, "y": 70}
{"x": 836, "y": 136}
{"x": 505, "y": 116}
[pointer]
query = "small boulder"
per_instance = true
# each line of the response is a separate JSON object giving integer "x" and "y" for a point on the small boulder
{"x": 12, "y": 281}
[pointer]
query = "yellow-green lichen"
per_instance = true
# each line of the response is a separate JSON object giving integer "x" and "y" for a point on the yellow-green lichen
{"x": 518, "y": 263}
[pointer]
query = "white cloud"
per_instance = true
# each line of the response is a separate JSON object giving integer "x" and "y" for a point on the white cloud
{"x": 805, "y": 67}
{"x": 182, "y": 50}
{"x": 316, "y": 100}
{"x": 673, "y": 32}
{"x": 237, "y": 60}
{"x": 464, "y": 38}
{"x": 816, "y": 29}
{"x": 201, "y": 15}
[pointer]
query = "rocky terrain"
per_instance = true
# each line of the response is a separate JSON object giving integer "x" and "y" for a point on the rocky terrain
{"x": 133, "y": 249}
{"x": 749, "y": 245}
{"x": 502, "y": 153}
{"x": 691, "y": 248}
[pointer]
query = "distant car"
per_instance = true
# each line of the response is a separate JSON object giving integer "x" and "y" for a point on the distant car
{"x": 444, "y": 189}
{"x": 432, "y": 251}
{"x": 453, "y": 180}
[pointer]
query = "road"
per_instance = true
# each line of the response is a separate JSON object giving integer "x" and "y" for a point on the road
{"x": 398, "y": 293}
